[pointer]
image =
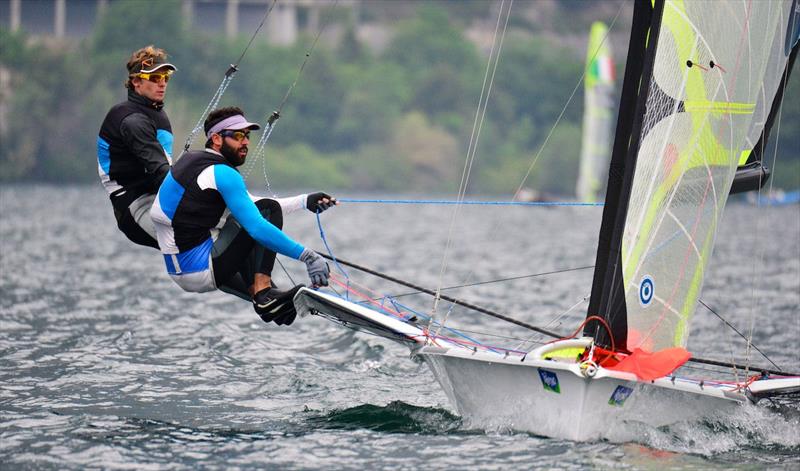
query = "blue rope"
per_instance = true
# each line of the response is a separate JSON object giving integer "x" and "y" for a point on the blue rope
{"x": 330, "y": 252}
{"x": 488, "y": 203}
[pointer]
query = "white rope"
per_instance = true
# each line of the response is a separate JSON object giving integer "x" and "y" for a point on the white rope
{"x": 555, "y": 322}
{"x": 759, "y": 261}
{"x": 226, "y": 81}
{"x": 477, "y": 125}
{"x": 211, "y": 105}
{"x": 259, "y": 153}
{"x": 564, "y": 109}
{"x": 496, "y": 224}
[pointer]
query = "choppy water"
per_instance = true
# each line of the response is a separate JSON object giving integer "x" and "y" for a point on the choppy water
{"x": 105, "y": 363}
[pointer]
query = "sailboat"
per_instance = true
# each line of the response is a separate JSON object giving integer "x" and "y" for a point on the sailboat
{"x": 700, "y": 85}
{"x": 598, "y": 115}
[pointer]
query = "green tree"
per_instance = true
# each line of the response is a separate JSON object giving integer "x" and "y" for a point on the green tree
{"x": 441, "y": 65}
{"x": 371, "y": 106}
{"x": 540, "y": 77}
{"x": 432, "y": 153}
{"x": 37, "y": 92}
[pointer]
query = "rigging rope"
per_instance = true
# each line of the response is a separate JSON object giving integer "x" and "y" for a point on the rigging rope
{"x": 558, "y": 120}
{"x": 473, "y": 145}
{"x": 330, "y": 253}
{"x": 275, "y": 115}
{"x": 762, "y": 247}
{"x": 444, "y": 297}
{"x": 225, "y": 82}
{"x": 564, "y": 109}
{"x": 554, "y": 322}
{"x": 748, "y": 339}
{"x": 499, "y": 280}
{"x": 486, "y": 203}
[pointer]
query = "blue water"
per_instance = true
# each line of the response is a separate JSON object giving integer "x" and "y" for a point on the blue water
{"x": 105, "y": 363}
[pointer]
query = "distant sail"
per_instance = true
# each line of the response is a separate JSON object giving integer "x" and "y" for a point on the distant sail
{"x": 598, "y": 115}
{"x": 709, "y": 67}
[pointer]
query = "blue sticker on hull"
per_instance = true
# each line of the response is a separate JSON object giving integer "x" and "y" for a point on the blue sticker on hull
{"x": 619, "y": 396}
{"x": 549, "y": 381}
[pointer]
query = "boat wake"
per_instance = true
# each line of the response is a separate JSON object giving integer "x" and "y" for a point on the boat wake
{"x": 774, "y": 428}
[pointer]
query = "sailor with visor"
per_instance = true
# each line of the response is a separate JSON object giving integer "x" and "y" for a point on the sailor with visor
{"x": 215, "y": 235}
{"x": 134, "y": 146}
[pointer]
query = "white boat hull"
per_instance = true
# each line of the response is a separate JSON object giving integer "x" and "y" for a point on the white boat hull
{"x": 494, "y": 389}
{"x": 513, "y": 395}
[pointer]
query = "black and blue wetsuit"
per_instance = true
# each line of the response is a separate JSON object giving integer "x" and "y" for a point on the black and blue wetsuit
{"x": 134, "y": 153}
{"x": 212, "y": 232}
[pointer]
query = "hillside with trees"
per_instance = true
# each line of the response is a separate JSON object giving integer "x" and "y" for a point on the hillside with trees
{"x": 392, "y": 118}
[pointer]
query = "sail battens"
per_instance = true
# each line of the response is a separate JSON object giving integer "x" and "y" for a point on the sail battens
{"x": 719, "y": 107}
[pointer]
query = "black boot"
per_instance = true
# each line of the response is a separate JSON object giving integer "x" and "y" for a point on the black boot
{"x": 276, "y": 305}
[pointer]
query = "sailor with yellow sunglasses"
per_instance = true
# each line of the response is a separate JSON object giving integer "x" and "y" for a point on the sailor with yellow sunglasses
{"x": 134, "y": 146}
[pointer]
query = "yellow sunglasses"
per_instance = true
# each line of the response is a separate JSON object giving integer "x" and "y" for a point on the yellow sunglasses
{"x": 156, "y": 77}
{"x": 238, "y": 135}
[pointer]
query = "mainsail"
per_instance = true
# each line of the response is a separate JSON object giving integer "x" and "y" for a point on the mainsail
{"x": 701, "y": 79}
{"x": 598, "y": 115}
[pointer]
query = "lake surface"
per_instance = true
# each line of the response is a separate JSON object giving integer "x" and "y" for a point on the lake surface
{"x": 106, "y": 363}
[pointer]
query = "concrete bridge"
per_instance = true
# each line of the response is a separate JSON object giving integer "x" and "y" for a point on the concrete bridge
{"x": 76, "y": 18}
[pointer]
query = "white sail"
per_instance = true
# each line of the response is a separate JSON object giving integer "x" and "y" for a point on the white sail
{"x": 598, "y": 115}
{"x": 716, "y": 63}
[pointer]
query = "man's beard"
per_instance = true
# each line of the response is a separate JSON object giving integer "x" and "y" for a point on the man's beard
{"x": 232, "y": 155}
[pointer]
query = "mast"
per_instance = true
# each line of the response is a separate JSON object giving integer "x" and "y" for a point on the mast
{"x": 608, "y": 265}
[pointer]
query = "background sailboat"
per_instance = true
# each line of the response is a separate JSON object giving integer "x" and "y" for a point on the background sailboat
{"x": 598, "y": 115}
{"x": 700, "y": 81}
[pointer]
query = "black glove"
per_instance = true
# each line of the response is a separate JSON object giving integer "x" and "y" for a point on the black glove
{"x": 319, "y": 202}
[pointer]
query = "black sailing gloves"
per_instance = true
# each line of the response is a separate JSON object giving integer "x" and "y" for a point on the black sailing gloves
{"x": 317, "y": 268}
{"x": 319, "y": 202}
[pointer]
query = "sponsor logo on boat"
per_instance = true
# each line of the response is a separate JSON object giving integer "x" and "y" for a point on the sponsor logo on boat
{"x": 549, "y": 381}
{"x": 619, "y": 396}
{"x": 646, "y": 291}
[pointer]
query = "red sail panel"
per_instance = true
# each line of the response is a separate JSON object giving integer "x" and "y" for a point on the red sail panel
{"x": 648, "y": 366}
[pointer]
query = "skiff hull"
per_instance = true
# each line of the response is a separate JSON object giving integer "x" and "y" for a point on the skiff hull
{"x": 551, "y": 399}
{"x": 541, "y": 392}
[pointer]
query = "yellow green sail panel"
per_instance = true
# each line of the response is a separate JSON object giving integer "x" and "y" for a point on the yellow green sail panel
{"x": 717, "y": 68}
